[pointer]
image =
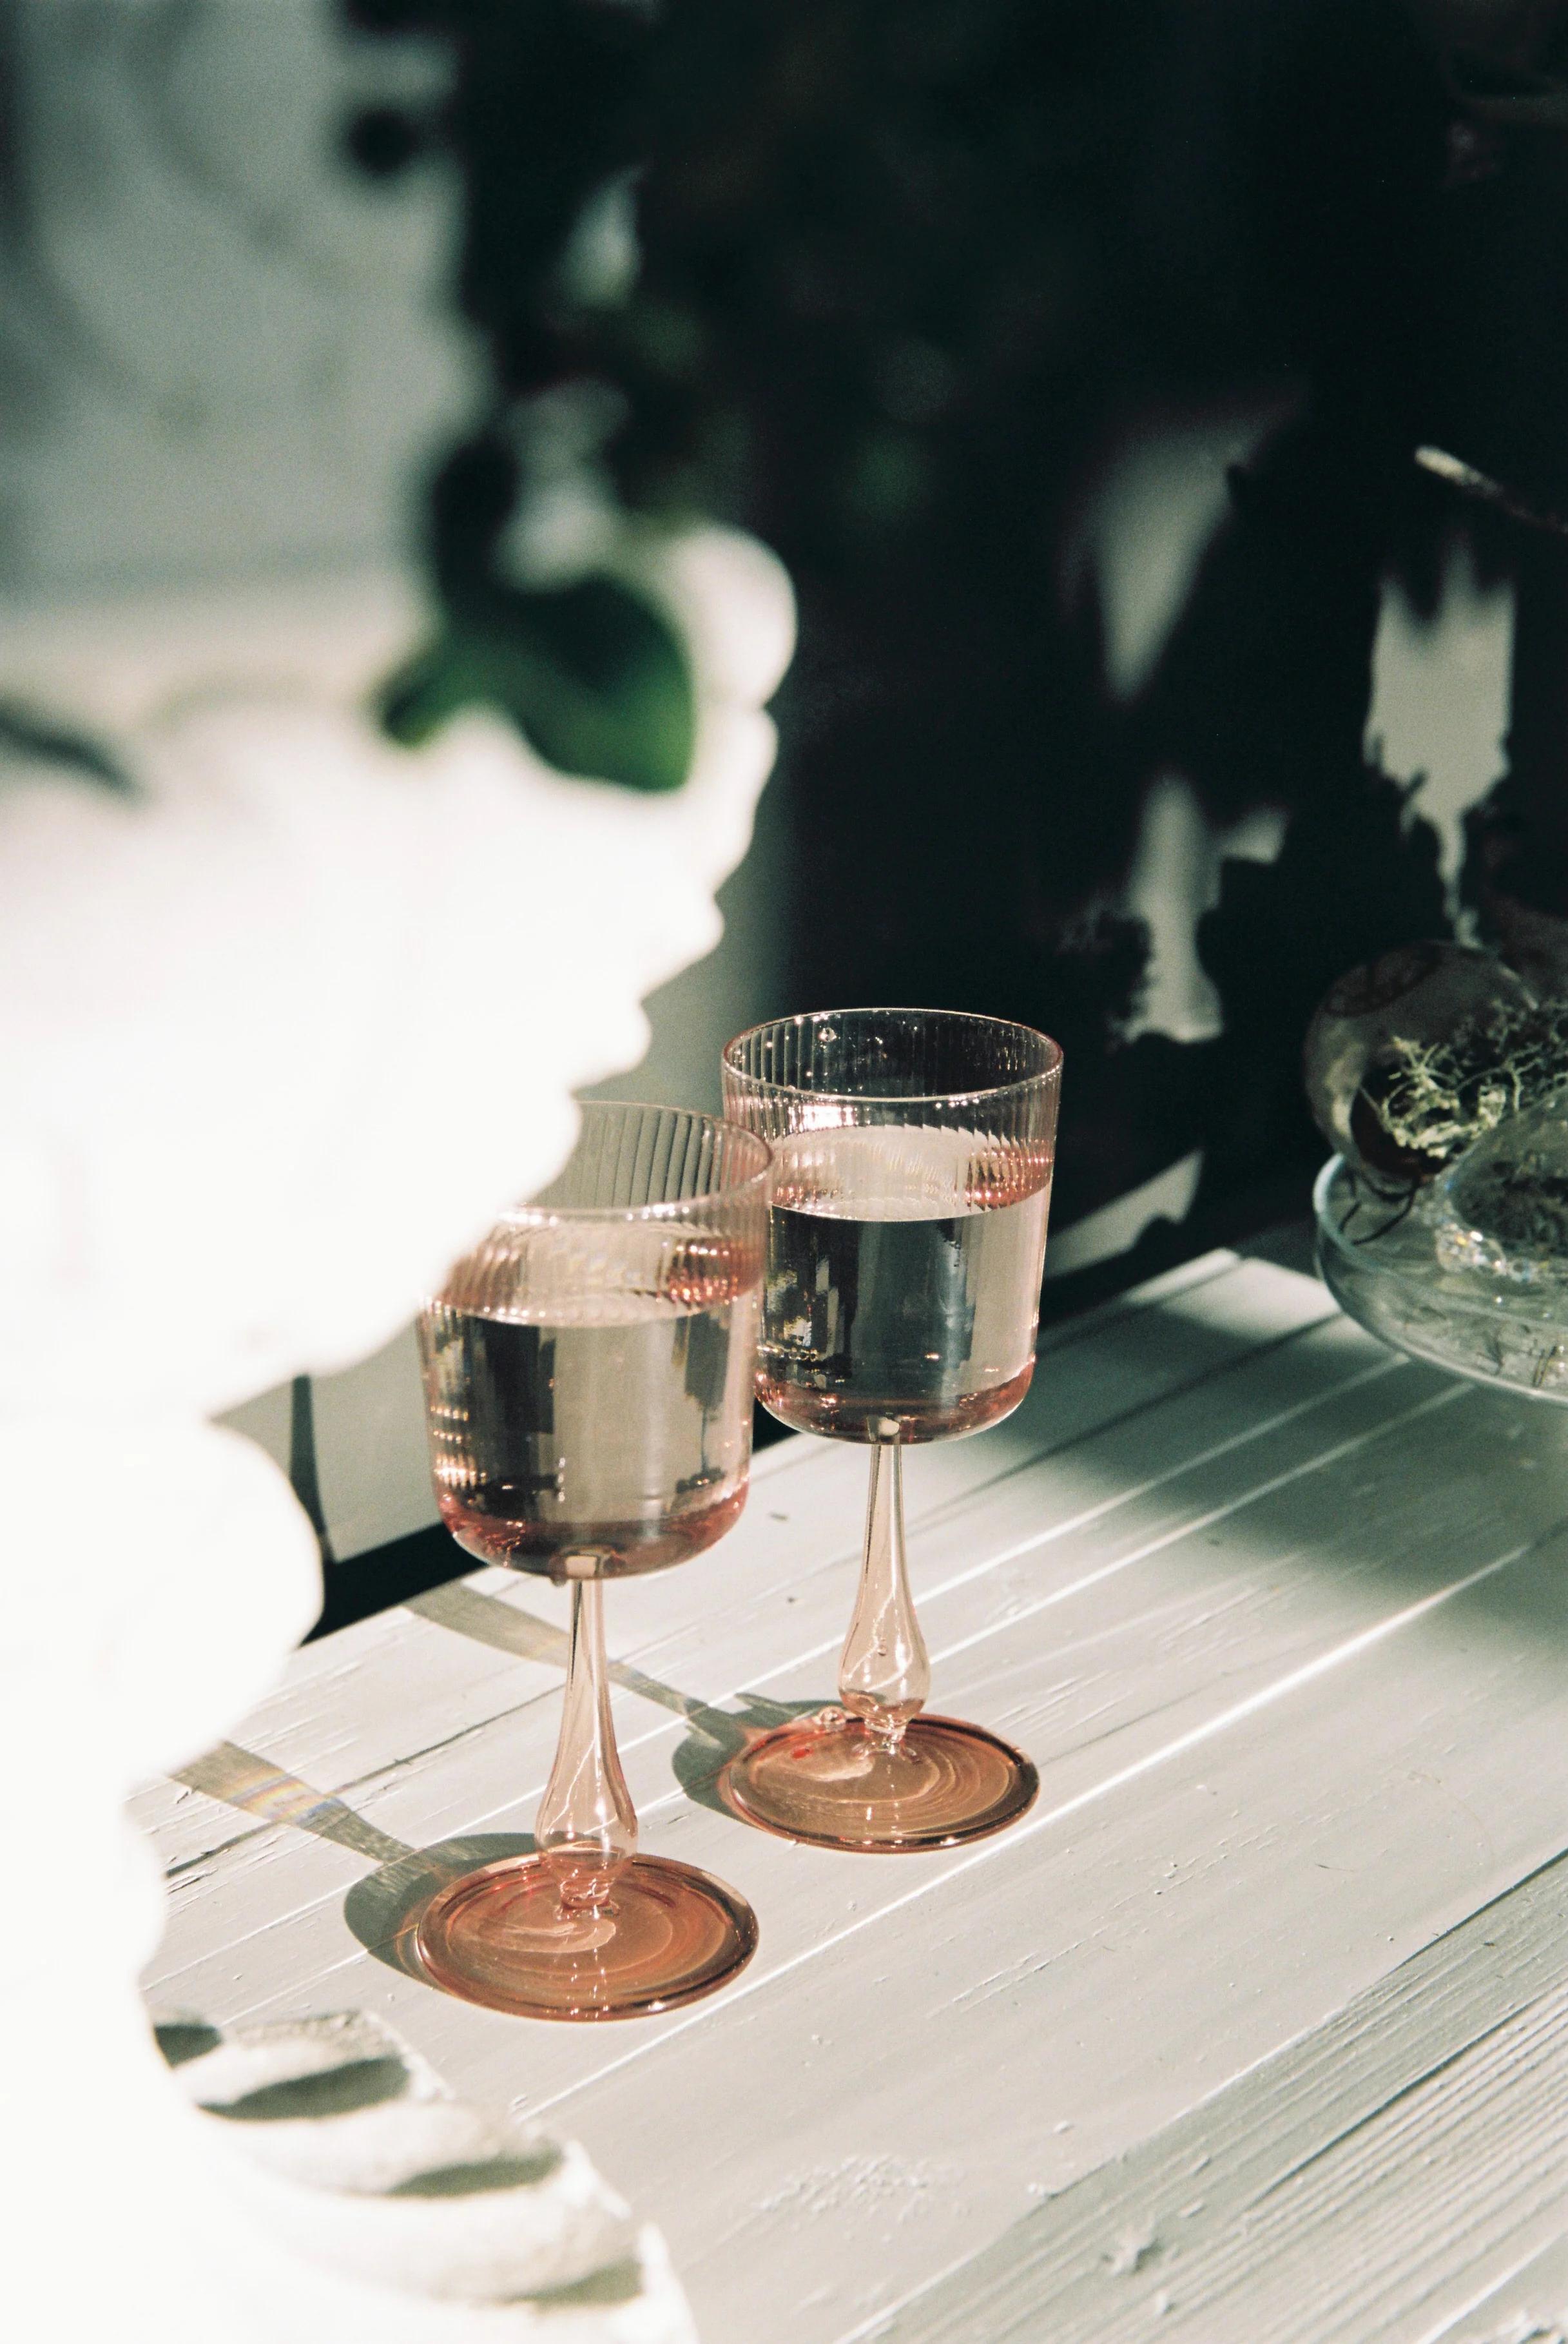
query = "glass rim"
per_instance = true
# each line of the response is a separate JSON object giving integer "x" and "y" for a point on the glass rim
{"x": 528, "y": 1215}
{"x": 761, "y": 1083}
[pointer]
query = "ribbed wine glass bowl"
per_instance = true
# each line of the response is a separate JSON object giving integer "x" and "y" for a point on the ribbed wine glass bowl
{"x": 588, "y": 1382}
{"x": 914, "y": 1151}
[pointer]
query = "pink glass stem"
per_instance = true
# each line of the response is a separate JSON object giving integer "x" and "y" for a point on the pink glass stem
{"x": 885, "y": 1675}
{"x": 586, "y": 1826}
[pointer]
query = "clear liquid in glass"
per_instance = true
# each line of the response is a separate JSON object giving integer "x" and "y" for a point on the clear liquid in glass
{"x": 903, "y": 1281}
{"x": 611, "y": 1421}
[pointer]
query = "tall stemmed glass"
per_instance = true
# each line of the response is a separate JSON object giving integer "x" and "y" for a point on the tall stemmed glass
{"x": 588, "y": 1384}
{"x": 913, "y": 1157}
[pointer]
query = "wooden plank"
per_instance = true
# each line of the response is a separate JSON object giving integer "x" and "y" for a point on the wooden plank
{"x": 1421, "y": 2128}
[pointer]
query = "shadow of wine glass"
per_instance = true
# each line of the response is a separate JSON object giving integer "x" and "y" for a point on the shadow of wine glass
{"x": 717, "y": 1736}
{"x": 383, "y": 1911}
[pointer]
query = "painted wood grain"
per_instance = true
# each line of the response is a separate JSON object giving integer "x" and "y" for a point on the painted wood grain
{"x": 1421, "y": 2131}
{"x": 1528, "y": 2306}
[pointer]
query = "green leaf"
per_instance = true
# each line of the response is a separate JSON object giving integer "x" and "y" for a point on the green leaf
{"x": 594, "y": 676}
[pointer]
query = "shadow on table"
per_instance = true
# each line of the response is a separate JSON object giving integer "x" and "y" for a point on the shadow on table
{"x": 716, "y": 1735}
{"x": 384, "y": 1910}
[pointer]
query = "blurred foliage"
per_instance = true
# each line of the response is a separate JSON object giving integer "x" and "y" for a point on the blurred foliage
{"x": 890, "y": 249}
{"x": 589, "y": 673}
{"x": 592, "y": 672}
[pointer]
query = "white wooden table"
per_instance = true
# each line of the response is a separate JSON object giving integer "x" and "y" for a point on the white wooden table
{"x": 1255, "y": 2027}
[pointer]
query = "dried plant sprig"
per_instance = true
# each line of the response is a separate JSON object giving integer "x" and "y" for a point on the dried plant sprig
{"x": 1438, "y": 1097}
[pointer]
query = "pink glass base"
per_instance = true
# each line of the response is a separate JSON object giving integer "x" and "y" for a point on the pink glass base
{"x": 827, "y": 1780}
{"x": 667, "y": 1935}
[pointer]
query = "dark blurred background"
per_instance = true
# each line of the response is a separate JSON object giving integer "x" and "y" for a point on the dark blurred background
{"x": 1076, "y": 357}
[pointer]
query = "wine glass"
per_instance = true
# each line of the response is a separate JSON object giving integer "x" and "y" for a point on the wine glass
{"x": 913, "y": 1157}
{"x": 588, "y": 1385}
